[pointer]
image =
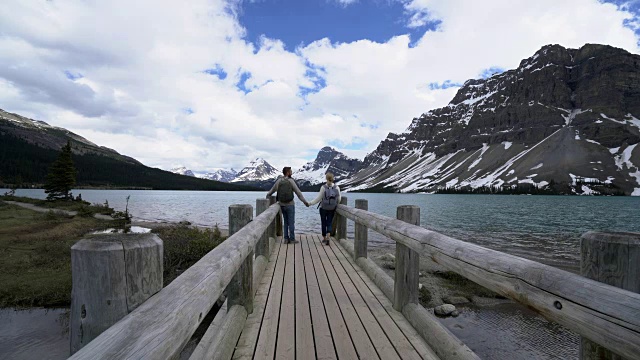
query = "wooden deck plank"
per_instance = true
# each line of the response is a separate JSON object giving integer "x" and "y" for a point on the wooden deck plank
{"x": 359, "y": 336}
{"x": 305, "y": 346}
{"x": 386, "y": 348}
{"x": 286, "y": 342}
{"x": 266, "y": 346}
{"x": 249, "y": 337}
{"x": 342, "y": 340}
{"x": 417, "y": 342}
{"x": 321, "y": 332}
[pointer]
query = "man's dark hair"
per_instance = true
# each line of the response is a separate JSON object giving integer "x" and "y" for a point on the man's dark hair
{"x": 286, "y": 170}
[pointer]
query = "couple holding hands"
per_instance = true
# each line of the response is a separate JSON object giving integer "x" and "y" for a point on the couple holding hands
{"x": 328, "y": 198}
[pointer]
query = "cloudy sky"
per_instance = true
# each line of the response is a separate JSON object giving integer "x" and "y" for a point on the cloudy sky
{"x": 213, "y": 83}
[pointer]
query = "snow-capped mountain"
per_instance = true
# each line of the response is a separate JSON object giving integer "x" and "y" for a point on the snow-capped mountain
{"x": 328, "y": 160}
{"x": 566, "y": 119}
{"x": 257, "y": 170}
{"x": 182, "y": 171}
{"x": 224, "y": 175}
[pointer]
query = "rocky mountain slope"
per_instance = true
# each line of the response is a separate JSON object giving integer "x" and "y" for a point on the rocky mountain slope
{"x": 564, "y": 118}
{"x": 223, "y": 175}
{"x": 182, "y": 171}
{"x": 328, "y": 160}
{"x": 29, "y": 147}
{"x": 257, "y": 170}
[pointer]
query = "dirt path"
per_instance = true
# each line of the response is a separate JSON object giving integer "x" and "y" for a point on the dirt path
{"x": 44, "y": 210}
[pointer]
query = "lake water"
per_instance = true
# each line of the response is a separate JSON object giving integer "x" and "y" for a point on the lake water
{"x": 545, "y": 228}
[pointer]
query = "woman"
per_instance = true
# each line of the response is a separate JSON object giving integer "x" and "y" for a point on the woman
{"x": 329, "y": 198}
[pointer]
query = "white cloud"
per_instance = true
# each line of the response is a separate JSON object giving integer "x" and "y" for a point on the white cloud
{"x": 142, "y": 68}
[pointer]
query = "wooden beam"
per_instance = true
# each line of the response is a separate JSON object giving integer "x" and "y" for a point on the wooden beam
{"x": 361, "y": 235}
{"x": 262, "y": 247}
{"x": 614, "y": 259}
{"x": 240, "y": 289}
{"x": 407, "y": 263}
{"x": 341, "y": 222}
{"x": 602, "y": 313}
{"x": 162, "y": 325}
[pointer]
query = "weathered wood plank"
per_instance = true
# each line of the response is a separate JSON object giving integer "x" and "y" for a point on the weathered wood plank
{"x": 305, "y": 347}
{"x": 223, "y": 343}
{"x": 262, "y": 247}
{"x": 266, "y": 345}
{"x": 361, "y": 236}
{"x": 249, "y": 337}
{"x": 610, "y": 258}
{"x": 321, "y": 331}
{"x": 407, "y": 263}
{"x": 112, "y": 276}
{"x": 341, "y": 222}
{"x": 240, "y": 289}
{"x": 382, "y": 280}
{"x": 417, "y": 342}
{"x": 286, "y": 344}
{"x": 363, "y": 344}
{"x": 165, "y": 322}
{"x": 600, "y": 312}
{"x": 341, "y": 337}
{"x": 370, "y": 317}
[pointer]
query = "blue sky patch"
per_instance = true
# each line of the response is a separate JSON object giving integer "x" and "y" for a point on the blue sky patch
{"x": 487, "y": 73}
{"x": 188, "y": 110}
{"x": 242, "y": 82}
{"x": 316, "y": 19}
{"x": 72, "y": 76}
{"x": 217, "y": 71}
{"x": 444, "y": 85}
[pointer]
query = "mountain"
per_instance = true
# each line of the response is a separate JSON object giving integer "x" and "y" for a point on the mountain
{"x": 182, "y": 171}
{"x": 257, "y": 170}
{"x": 328, "y": 160}
{"x": 28, "y": 147}
{"x": 223, "y": 175}
{"x": 565, "y": 120}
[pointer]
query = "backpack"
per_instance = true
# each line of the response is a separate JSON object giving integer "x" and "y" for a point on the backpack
{"x": 330, "y": 199}
{"x": 285, "y": 191}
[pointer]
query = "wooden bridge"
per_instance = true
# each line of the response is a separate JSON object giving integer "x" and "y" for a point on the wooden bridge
{"x": 312, "y": 301}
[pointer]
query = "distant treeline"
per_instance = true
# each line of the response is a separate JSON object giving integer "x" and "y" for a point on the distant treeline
{"x": 25, "y": 164}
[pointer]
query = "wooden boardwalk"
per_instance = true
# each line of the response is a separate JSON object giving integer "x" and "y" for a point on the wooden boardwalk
{"x": 314, "y": 302}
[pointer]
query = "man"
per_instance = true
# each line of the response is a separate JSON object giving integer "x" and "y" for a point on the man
{"x": 285, "y": 187}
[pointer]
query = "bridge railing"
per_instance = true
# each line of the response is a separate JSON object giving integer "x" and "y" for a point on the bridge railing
{"x": 604, "y": 314}
{"x": 161, "y": 326}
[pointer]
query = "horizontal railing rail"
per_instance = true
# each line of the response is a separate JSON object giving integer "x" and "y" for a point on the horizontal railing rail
{"x": 161, "y": 326}
{"x": 605, "y": 314}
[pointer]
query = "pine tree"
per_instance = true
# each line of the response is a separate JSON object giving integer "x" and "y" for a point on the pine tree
{"x": 62, "y": 176}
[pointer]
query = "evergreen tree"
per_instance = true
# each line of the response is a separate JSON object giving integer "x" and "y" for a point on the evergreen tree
{"x": 62, "y": 176}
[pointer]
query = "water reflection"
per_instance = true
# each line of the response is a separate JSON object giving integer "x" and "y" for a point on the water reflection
{"x": 34, "y": 334}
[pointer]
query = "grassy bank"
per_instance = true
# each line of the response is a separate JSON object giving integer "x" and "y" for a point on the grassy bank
{"x": 35, "y": 258}
{"x": 35, "y": 252}
{"x": 84, "y": 208}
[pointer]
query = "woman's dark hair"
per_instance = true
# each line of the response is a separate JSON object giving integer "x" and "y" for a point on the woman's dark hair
{"x": 286, "y": 170}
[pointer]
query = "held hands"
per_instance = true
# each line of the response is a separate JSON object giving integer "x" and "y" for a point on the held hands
{"x": 306, "y": 204}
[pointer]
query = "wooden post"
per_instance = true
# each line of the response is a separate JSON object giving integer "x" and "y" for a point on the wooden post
{"x": 613, "y": 259}
{"x": 341, "y": 222}
{"x": 407, "y": 263}
{"x": 240, "y": 289}
{"x": 361, "y": 233}
{"x": 262, "y": 247}
{"x": 278, "y": 220}
{"x": 111, "y": 276}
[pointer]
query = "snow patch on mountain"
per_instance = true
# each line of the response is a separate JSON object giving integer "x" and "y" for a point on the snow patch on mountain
{"x": 257, "y": 170}
{"x": 181, "y": 170}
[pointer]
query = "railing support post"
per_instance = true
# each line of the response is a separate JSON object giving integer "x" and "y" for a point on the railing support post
{"x": 407, "y": 263}
{"x": 341, "y": 222}
{"x": 273, "y": 228}
{"x": 262, "y": 247}
{"x": 613, "y": 259}
{"x": 361, "y": 236}
{"x": 240, "y": 289}
{"x": 278, "y": 220}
